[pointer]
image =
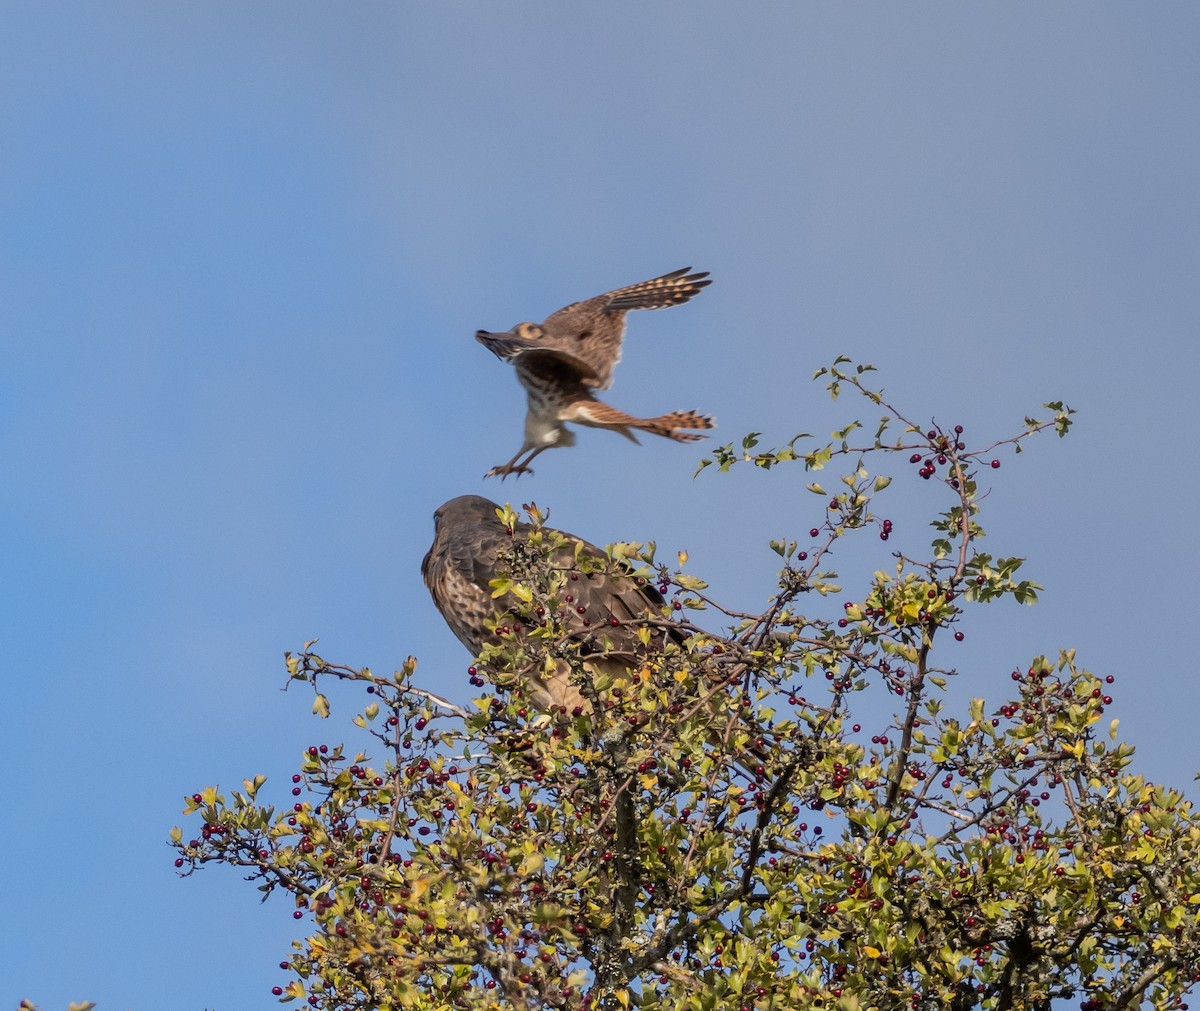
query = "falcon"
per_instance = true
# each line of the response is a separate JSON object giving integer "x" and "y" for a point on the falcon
{"x": 562, "y": 360}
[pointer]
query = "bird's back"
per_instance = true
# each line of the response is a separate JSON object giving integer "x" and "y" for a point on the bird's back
{"x": 592, "y": 330}
{"x": 466, "y": 556}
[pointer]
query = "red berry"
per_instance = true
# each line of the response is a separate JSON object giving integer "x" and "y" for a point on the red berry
{"x": 995, "y": 465}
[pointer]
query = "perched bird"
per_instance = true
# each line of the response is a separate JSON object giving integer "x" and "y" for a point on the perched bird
{"x": 464, "y": 559}
{"x": 562, "y": 360}
{"x": 468, "y": 540}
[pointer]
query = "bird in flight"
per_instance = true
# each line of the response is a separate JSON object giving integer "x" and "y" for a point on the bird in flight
{"x": 562, "y": 360}
{"x": 608, "y": 608}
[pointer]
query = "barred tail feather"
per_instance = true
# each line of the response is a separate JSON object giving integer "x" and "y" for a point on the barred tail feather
{"x": 669, "y": 426}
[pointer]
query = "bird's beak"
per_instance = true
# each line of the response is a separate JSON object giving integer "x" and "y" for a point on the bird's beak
{"x": 500, "y": 344}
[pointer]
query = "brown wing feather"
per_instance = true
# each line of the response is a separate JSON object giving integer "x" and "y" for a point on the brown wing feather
{"x": 605, "y": 590}
{"x": 462, "y": 562}
{"x": 662, "y": 292}
{"x": 593, "y": 329}
{"x": 563, "y": 366}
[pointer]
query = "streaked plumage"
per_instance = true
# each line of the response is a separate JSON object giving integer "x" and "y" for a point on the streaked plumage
{"x": 562, "y": 360}
{"x": 469, "y": 539}
{"x": 462, "y": 562}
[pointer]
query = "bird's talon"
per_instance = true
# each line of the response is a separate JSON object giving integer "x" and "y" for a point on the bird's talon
{"x": 503, "y": 472}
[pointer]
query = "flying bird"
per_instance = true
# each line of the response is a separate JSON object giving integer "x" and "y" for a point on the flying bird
{"x": 562, "y": 360}
{"x": 609, "y": 605}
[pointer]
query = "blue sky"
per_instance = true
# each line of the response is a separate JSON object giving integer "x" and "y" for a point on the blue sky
{"x": 243, "y": 249}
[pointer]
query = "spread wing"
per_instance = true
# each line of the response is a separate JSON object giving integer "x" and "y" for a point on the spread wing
{"x": 592, "y": 330}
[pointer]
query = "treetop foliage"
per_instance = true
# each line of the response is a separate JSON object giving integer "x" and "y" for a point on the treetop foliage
{"x": 720, "y": 829}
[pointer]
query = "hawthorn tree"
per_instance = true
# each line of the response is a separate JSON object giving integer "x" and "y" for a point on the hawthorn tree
{"x": 719, "y": 831}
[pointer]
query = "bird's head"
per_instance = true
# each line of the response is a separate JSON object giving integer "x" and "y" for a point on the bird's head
{"x": 464, "y": 510}
{"x": 511, "y": 343}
